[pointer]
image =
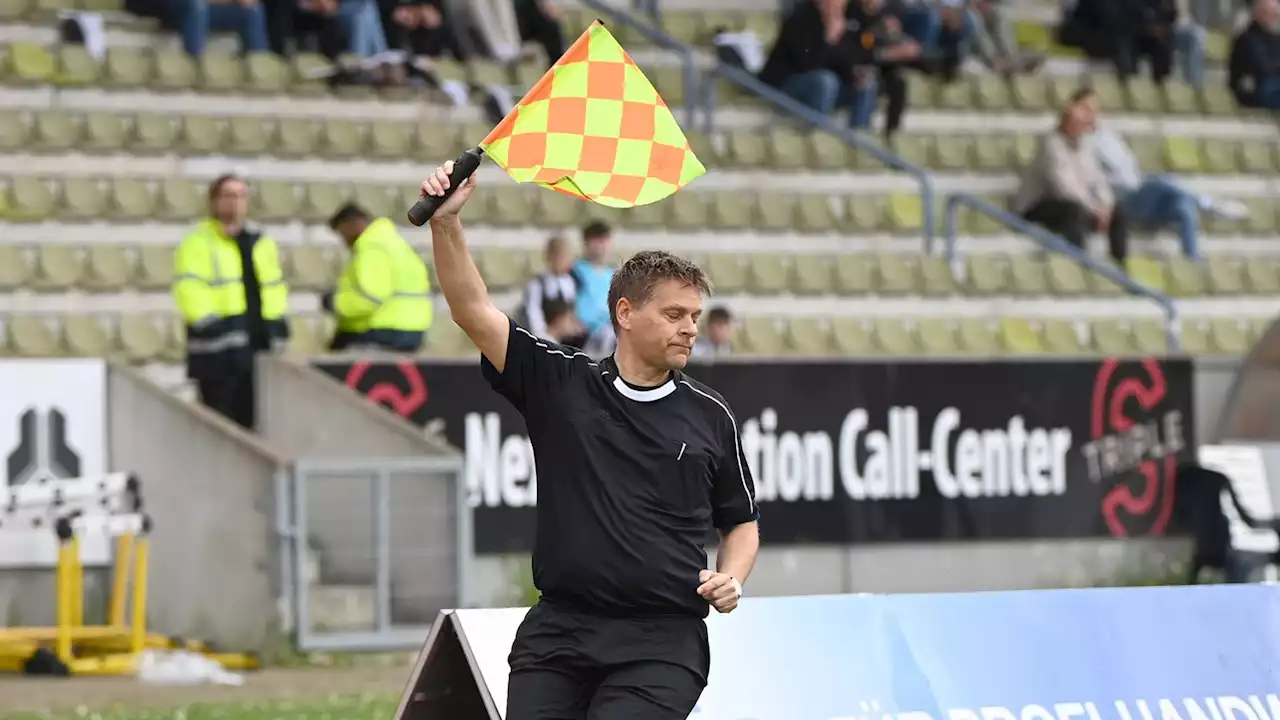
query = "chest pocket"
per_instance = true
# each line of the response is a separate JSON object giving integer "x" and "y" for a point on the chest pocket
{"x": 685, "y": 481}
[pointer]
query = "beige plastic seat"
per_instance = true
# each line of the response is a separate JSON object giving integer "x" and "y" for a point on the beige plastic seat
{"x": 855, "y": 274}
{"x": 175, "y": 339}
{"x": 1227, "y": 337}
{"x": 851, "y": 338}
{"x": 320, "y": 201}
{"x": 976, "y": 336}
{"x": 814, "y": 214}
{"x": 828, "y": 152}
{"x": 768, "y": 274}
{"x": 86, "y": 336}
{"x": 1219, "y": 156}
{"x": 993, "y": 153}
{"x": 1262, "y": 276}
{"x": 434, "y": 139}
{"x": 15, "y": 267}
{"x": 893, "y": 337}
{"x": 502, "y": 269}
{"x": 1257, "y": 156}
{"x": 152, "y": 134}
{"x": 937, "y": 336}
{"x": 103, "y": 133}
{"x": 179, "y": 200}
{"x": 82, "y": 199}
{"x": 1150, "y": 337}
{"x": 390, "y": 139}
{"x": 813, "y": 274}
{"x": 129, "y": 200}
{"x": 247, "y": 136}
{"x": 377, "y": 200}
{"x": 304, "y": 72}
{"x": 988, "y": 274}
{"x": 689, "y": 211}
{"x": 203, "y": 135}
{"x": 732, "y": 211}
{"x": 511, "y": 206}
{"x": 28, "y": 200}
{"x": 1111, "y": 337}
{"x": 32, "y": 336}
{"x": 1017, "y": 337}
{"x": 1102, "y": 285}
{"x": 305, "y": 336}
{"x": 30, "y": 64}
{"x": 953, "y": 153}
{"x": 1224, "y": 276}
{"x": 341, "y": 138}
{"x": 308, "y": 267}
{"x": 266, "y": 74}
{"x": 728, "y": 271}
{"x": 896, "y": 274}
{"x": 551, "y": 209}
{"x": 1184, "y": 278}
{"x": 760, "y": 336}
{"x": 747, "y": 149}
{"x": 15, "y": 133}
{"x": 108, "y": 268}
{"x": 1030, "y": 93}
{"x": 905, "y": 213}
{"x": 1029, "y": 276}
{"x": 56, "y": 131}
{"x": 141, "y": 339}
{"x": 154, "y": 271}
{"x": 1195, "y": 338}
{"x": 446, "y": 339}
{"x": 1146, "y": 271}
{"x": 936, "y": 277}
{"x": 295, "y": 137}
{"x": 1061, "y": 338}
{"x": 275, "y": 201}
{"x": 127, "y": 68}
{"x": 788, "y": 150}
{"x": 58, "y": 268}
{"x": 864, "y": 213}
{"x": 773, "y": 212}
{"x": 1181, "y": 99}
{"x": 809, "y": 337}
{"x": 175, "y": 71}
{"x": 76, "y": 67}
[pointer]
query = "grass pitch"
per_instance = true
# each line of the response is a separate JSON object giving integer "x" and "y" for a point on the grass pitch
{"x": 365, "y": 706}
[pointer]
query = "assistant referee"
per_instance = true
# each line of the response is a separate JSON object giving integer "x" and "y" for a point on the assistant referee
{"x": 636, "y": 462}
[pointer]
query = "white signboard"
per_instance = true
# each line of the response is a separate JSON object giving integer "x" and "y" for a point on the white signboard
{"x": 1244, "y": 467}
{"x": 52, "y": 428}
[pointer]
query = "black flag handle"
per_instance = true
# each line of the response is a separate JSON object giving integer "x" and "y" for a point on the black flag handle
{"x": 463, "y": 168}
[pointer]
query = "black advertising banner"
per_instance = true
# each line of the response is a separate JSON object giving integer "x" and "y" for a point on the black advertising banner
{"x": 854, "y": 452}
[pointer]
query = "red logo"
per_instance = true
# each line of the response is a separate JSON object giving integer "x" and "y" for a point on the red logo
{"x": 400, "y": 387}
{"x": 1134, "y": 442}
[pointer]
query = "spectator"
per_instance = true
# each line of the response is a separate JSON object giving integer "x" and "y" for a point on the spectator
{"x": 361, "y": 24}
{"x": 421, "y": 28}
{"x": 943, "y": 32}
{"x": 494, "y": 21}
{"x": 594, "y": 273}
{"x": 1065, "y": 190}
{"x": 539, "y": 22}
{"x": 383, "y": 298}
{"x": 994, "y": 40}
{"x": 820, "y": 64}
{"x": 562, "y": 324}
{"x": 1255, "y": 59}
{"x": 195, "y": 19}
{"x": 879, "y": 29}
{"x": 229, "y": 288}
{"x": 557, "y": 283}
{"x": 717, "y": 339}
{"x": 1125, "y": 32}
{"x": 1156, "y": 201}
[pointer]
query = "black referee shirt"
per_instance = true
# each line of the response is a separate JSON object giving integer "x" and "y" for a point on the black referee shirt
{"x": 630, "y": 480}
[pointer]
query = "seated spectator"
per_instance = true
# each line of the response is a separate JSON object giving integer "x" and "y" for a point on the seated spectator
{"x": 362, "y": 24}
{"x": 539, "y": 22}
{"x": 556, "y": 284}
{"x": 1064, "y": 188}
{"x": 942, "y": 30}
{"x": 594, "y": 272}
{"x": 994, "y": 41}
{"x": 1255, "y": 59}
{"x": 1155, "y": 201}
{"x": 195, "y": 19}
{"x": 717, "y": 339}
{"x": 1130, "y": 30}
{"x": 562, "y": 324}
{"x": 420, "y": 28}
{"x": 893, "y": 52}
{"x": 816, "y": 61}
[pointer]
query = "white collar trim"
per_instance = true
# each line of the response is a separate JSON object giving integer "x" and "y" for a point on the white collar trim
{"x": 648, "y": 395}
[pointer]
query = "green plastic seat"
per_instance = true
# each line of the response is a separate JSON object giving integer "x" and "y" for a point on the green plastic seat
{"x": 1149, "y": 151}
{"x": 154, "y": 270}
{"x": 768, "y": 274}
{"x": 15, "y": 133}
{"x": 855, "y": 274}
{"x": 108, "y": 268}
{"x": 976, "y": 336}
{"x": 1257, "y": 156}
{"x": 127, "y": 68}
{"x": 1194, "y": 339}
{"x": 812, "y": 274}
{"x": 33, "y": 336}
{"x": 728, "y": 271}
{"x": 689, "y": 211}
{"x": 86, "y": 336}
{"x": 905, "y": 213}
{"x": 1104, "y": 286}
{"x": 15, "y": 268}
{"x": 747, "y": 149}
{"x": 152, "y": 134}
{"x": 1111, "y": 337}
{"x": 376, "y": 199}
{"x": 554, "y": 210}
{"x": 788, "y": 150}
{"x": 31, "y": 64}
{"x": 76, "y": 67}
{"x": 1146, "y": 271}
{"x": 915, "y": 149}
{"x": 1017, "y": 337}
{"x": 1029, "y": 276}
{"x": 810, "y": 337}
{"x": 851, "y": 338}
{"x": 993, "y": 153}
{"x": 828, "y": 152}
{"x": 992, "y": 93}
{"x": 937, "y": 336}
{"x": 1219, "y": 156}
{"x": 320, "y": 201}
{"x": 954, "y": 153}
{"x": 1262, "y": 276}
{"x": 760, "y": 336}
{"x": 1227, "y": 337}
{"x": 203, "y": 135}
{"x": 29, "y": 200}
{"x": 266, "y": 74}
{"x": 305, "y": 80}
{"x": 511, "y": 207}
{"x": 275, "y": 201}
{"x": 295, "y": 138}
{"x": 82, "y": 200}
{"x": 1180, "y": 99}
{"x": 434, "y": 141}
{"x": 58, "y": 268}
{"x": 864, "y": 213}
{"x": 1030, "y": 93}
{"x": 1216, "y": 99}
{"x": 896, "y": 274}
{"x": 936, "y": 277}
{"x": 179, "y": 200}
{"x": 390, "y": 139}
{"x": 732, "y": 211}
{"x": 894, "y": 338}
{"x": 1224, "y": 276}
{"x": 1144, "y": 96}
{"x": 921, "y": 92}
{"x": 175, "y": 71}
{"x": 988, "y": 274}
{"x": 773, "y": 213}
{"x": 815, "y": 214}
{"x": 247, "y": 136}
{"x": 1184, "y": 278}
{"x": 13, "y": 10}
{"x": 502, "y": 269}
{"x": 1262, "y": 217}
{"x": 129, "y": 200}
{"x": 1181, "y": 155}
{"x": 1059, "y": 337}
{"x": 341, "y": 138}
{"x": 1025, "y": 148}
{"x": 103, "y": 133}
{"x": 1150, "y": 337}
{"x": 140, "y": 338}
{"x": 56, "y": 131}
{"x": 308, "y": 267}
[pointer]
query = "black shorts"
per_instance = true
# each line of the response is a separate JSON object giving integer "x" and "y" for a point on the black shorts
{"x": 568, "y": 665}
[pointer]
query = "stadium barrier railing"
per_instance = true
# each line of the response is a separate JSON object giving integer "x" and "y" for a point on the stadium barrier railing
{"x": 1057, "y": 244}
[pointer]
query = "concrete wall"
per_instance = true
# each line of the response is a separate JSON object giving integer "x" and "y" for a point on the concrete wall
{"x": 1214, "y": 379}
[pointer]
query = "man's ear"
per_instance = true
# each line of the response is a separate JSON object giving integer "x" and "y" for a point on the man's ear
{"x": 623, "y": 311}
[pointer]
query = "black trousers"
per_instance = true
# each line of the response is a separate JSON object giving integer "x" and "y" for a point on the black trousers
{"x": 568, "y": 665}
{"x": 1158, "y": 50}
{"x": 536, "y": 26}
{"x": 1074, "y": 222}
{"x": 231, "y": 396}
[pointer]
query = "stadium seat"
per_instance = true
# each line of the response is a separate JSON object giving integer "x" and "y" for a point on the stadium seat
{"x": 851, "y": 338}
{"x": 760, "y": 336}
{"x": 29, "y": 200}
{"x": 1219, "y": 156}
{"x": 788, "y": 150}
{"x": 154, "y": 269}
{"x": 140, "y": 338}
{"x": 1146, "y": 271}
{"x": 896, "y": 275}
{"x": 976, "y": 336}
{"x": 501, "y": 268}
{"x": 988, "y": 274}
{"x": 937, "y": 336}
{"x": 728, "y": 272}
{"x": 813, "y": 274}
{"x": 129, "y": 200}
{"x": 1143, "y": 96}
{"x": 15, "y": 268}
{"x": 1028, "y": 276}
{"x": 1110, "y": 337}
{"x": 552, "y": 209}
{"x": 307, "y": 267}
{"x": 179, "y": 200}
{"x": 511, "y": 207}
{"x": 1017, "y": 337}
{"x": 152, "y": 134}
{"x": 76, "y": 67}
{"x": 31, "y": 64}
{"x": 892, "y": 335}
{"x": 1224, "y": 276}
{"x": 1150, "y": 337}
{"x": 320, "y": 201}
{"x": 731, "y": 211}
{"x": 1194, "y": 339}
{"x": 812, "y": 214}
{"x": 1257, "y": 157}
{"x": 854, "y": 274}
{"x": 376, "y": 199}
{"x": 1060, "y": 337}
{"x": 809, "y": 337}
{"x": 86, "y": 336}
{"x": 828, "y": 152}
{"x": 1030, "y": 93}
{"x": 266, "y": 74}
{"x": 108, "y": 268}
{"x": 1184, "y": 278}
{"x": 1182, "y": 155}
{"x": 275, "y": 201}
{"x": 305, "y": 71}
{"x": 32, "y": 336}
{"x": 446, "y": 339}
{"x": 295, "y": 137}
{"x": 341, "y": 138}
{"x": 56, "y": 131}
{"x": 202, "y": 135}
{"x": 14, "y": 132}
{"x": 82, "y": 200}
{"x": 747, "y": 149}
{"x": 992, "y": 153}
{"x": 936, "y": 277}
{"x": 103, "y": 133}
{"x": 689, "y": 211}
{"x": 776, "y": 213}
{"x": 174, "y": 331}
{"x": 1103, "y": 286}
{"x": 389, "y": 139}
{"x": 1181, "y": 99}
{"x": 126, "y": 68}
{"x": 768, "y": 274}
{"x": 864, "y": 213}
{"x": 247, "y": 136}
{"x": 175, "y": 71}
{"x": 58, "y": 268}
{"x": 1227, "y": 337}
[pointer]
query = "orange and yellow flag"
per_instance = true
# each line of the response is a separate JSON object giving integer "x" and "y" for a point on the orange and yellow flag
{"x": 595, "y": 128}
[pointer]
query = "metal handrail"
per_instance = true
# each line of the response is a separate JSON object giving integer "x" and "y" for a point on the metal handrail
{"x": 789, "y": 105}
{"x": 656, "y": 36}
{"x": 1055, "y": 243}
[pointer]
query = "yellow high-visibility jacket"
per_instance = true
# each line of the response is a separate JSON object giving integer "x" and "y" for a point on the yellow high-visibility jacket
{"x": 384, "y": 295}
{"x": 208, "y": 289}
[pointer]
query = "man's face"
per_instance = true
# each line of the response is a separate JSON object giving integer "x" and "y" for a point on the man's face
{"x": 350, "y": 230}
{"x": 597, "y": 248}
{"x": 662, "y": 331}
{"x": 1265, "y": 12}
{"x": 1082, "y": 118}
{"x": 231, "y": 204}
{"x": 559, "y": 261}
{"x": 720, "y": 332}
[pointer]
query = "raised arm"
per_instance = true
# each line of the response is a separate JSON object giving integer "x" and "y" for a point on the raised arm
{"x": 460, "y": 281}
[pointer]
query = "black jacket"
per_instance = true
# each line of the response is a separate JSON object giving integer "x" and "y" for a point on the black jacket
{"x": 801, "y": 47}
{"x": 1255, "y": 58}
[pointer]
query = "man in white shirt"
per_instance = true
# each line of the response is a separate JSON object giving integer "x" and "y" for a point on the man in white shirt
{"x": 556, "y": 283}
{"x": 1155, "y": 201}
{"x": 717, "y": 341}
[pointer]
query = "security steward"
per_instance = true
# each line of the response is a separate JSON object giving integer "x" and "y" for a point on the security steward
{"x": 230, "y": 289}
{"x": 383, "y": 300}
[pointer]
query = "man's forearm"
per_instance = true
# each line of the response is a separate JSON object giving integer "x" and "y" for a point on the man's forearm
{"x": 460, "y": 281}
{"x": 737, "y": 553}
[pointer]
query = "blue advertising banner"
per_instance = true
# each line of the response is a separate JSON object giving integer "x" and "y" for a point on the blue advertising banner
{"x": 1188, "y": 653}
